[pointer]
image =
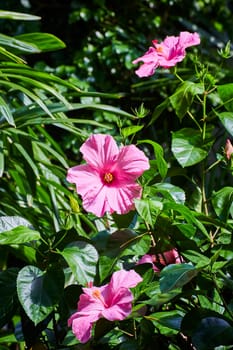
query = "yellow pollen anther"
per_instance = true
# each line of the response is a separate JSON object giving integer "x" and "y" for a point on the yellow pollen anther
{"x": 96, "y": 294}
{"x": 159, "y": 49}
{"x": 108, "y": 177}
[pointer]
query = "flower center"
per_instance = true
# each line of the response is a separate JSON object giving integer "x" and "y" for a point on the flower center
{"x": 108, "y": 177}
{"x": 97, "y": 295}
{"x": 159, "y": 49}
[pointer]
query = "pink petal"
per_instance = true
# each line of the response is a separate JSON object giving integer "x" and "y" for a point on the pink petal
{"x": 228, "y": 149}
{"x": 121, "y": 305}
{"x": 171, "y": 257}
{"x": 123, "y": 278}
{"x": 187, "y": 39}
{"x": 99, "y": 150}
{"x": 96, "y": 201}
{"x": 121, "y": 200}
{"x": 148, "y": 259}
{"x": 146, "y": 69}
{"x": 150, "y": 61}
{"x": 82, "y": 326}
{"x": 88, "y": 304}
{"x": 132, "y": 162}
{"x": 85, "y": 177}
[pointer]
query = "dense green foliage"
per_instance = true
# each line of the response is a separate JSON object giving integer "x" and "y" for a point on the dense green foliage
{"x": 66, "y": 75}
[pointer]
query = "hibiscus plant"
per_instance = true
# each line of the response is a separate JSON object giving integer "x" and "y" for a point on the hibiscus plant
{"x": 127, "y": 242}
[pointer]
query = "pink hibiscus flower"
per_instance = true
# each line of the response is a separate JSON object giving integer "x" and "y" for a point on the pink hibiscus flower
{"x": 112, "y": 301}
{"x": 161, "y": 260}
{"x": 166, "y": 54}
{"x": 228, "y": 149}
{"x": 107, "y": 182}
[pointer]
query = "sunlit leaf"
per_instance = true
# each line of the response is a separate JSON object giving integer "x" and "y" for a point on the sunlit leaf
{"x": 82, "y": 258}
{"x": 226, "y": 119}
{"x": 188, "y": 147}
{"x": 148, "y": 209}
{"x": 183, "y": 97}
{"x": 19, "y": 235}
{"x": 222, "y": 202}
{"x": 18, "y": 16}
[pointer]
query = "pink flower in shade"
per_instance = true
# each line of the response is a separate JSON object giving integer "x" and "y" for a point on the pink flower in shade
{"x": 166, "y": 54}
{"x": 228, "y": 149}
{"x": 107, "y": 182}
{"x": 112, "y": 301}
{"x": 161, "y": 260}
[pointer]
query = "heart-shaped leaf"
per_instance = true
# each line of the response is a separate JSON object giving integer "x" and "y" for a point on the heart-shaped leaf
{"x": 39, "y": 291}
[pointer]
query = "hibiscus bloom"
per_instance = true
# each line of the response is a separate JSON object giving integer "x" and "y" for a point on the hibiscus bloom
{"x": 166, "y": 54}
{"x": 161, "y": 260}
{"x": 112, "y": 301}
{"x": 228, "y": 149}
{"x": 107, "y": 182}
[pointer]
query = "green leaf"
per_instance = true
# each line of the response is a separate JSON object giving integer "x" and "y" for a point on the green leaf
{"x": 170, "y": 319}
{"x": 176, "y": 276}
{"x": 8, "y": 56}
{"x": 18, "y": 235}
{"x": 160, "y": 161}
{"x": 8, "y": 294}
{"x": 5, "y": 112}
{"x": 131, "y": 130}
{"x": 158, "y": 110}
{"x": 148, "y": 209}
{"x": 2, "y": 166}
{"x": 226, "y": 118}
{"x": 17, "y": 46}
{"x": 82, "y": 258}
{"x": 18, "y": 16}
{"x": 39, "y": 292}
{"x": 226, "y": 94}
{"x": 188, "y": 147}
{"x": 171, "y": 192}
{"x": 28, "y": 158}
{"x": 183, "y": 97}
{"x": 9, "y": 222}
{"x": 222, "y": 202}
{"x": 197, "y": 258}
{"x": 42, "y": 41}
{"x": 188, "y": 216}
{"x": 211, "y": 333}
